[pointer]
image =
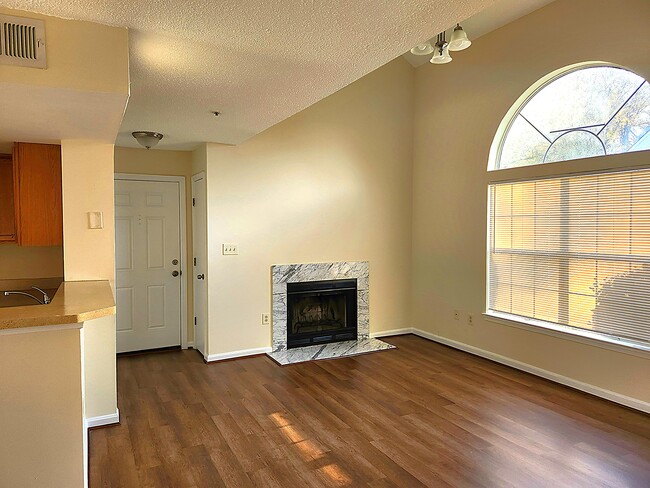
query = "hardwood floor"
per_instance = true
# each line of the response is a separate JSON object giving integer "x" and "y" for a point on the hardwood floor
{"x": 421, "y": 415}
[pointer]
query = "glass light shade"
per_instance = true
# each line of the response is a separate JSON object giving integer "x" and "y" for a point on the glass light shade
{"x": 422, "y": 49}
{"x": 459, "y": 40}
{"x": 441, "y": 57}
{"x": 147, "y": 139}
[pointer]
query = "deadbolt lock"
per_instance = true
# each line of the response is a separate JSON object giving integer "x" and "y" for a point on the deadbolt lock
{"x": 174, "y": 262}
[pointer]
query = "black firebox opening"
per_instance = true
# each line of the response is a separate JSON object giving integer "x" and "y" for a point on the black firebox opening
{"x": 319, "y": 312}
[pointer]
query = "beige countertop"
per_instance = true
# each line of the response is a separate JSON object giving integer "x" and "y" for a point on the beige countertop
{"x": 74, "y": 302}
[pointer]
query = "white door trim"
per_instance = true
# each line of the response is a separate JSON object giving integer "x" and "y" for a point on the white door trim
{"x": 201, "y": 175}
{"x": 182, "y": 209}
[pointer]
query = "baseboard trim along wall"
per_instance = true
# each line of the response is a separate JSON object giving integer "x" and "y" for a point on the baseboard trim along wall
{"x": 393, "y": 332}
{"x": 236, "y": 354}
{"x": 111, "y": 418}
{"x": 549, "y": 375}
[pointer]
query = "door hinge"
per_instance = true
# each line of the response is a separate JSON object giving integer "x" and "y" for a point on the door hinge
{"x": 193, "y": 202}
{"x": 194, "y": 261}
{"x": 194, "y": 320}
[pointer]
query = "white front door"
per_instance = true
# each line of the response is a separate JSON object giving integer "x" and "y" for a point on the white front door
{"x": 200, "y": 255}
{"x": 147, "y": 264}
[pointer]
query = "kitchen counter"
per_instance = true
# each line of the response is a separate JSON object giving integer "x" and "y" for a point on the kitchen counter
{"x": 74, "y": 302}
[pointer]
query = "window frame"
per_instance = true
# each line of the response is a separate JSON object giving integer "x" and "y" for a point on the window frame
{"x": 550, "y": 328}
{"x": 586, "y": 166}
{"x": 496, "y": 149}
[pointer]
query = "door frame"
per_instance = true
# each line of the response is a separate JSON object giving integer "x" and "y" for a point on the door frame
{"x": 201, "y": 175}
{"x": 183, "y": 236}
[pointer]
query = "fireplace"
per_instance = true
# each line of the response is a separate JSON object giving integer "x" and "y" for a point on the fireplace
{"x": 320, "y": 312}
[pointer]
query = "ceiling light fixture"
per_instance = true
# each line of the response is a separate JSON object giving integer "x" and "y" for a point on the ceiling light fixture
{"x": 441, "y": 48}
{"x": 146, "y": 138}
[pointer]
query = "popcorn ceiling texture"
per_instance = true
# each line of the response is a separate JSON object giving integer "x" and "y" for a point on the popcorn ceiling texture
{"x": 258, "y": 62}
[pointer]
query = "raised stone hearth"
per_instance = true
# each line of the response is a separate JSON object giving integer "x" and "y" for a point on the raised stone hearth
{"x": 300, "y": 273}
{"x": 329, "y": 351}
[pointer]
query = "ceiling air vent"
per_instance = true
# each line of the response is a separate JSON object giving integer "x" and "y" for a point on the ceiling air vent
{"x": 22, "y": 41}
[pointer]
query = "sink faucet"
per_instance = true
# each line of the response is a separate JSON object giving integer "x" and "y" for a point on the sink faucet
{"x": 46, "y": 298}
{"x": 44, "y": 301}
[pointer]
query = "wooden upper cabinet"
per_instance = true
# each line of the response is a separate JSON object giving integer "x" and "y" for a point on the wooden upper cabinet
{"x": 7, "y": 208}
{"x": 37, "y": 193}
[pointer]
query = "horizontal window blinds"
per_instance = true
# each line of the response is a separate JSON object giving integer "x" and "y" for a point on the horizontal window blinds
{"x": 573, "y": 251}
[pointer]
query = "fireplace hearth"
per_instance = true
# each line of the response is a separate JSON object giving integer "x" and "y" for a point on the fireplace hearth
{"x": 320, "y": 312}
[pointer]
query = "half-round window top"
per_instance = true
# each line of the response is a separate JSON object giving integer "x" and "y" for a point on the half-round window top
{"x": 581, "y": 113}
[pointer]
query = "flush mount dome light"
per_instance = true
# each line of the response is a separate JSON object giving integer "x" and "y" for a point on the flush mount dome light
{"x": 146, "y": 138}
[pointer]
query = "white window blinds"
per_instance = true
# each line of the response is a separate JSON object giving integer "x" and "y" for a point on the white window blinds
{"x": 573, "y": 251}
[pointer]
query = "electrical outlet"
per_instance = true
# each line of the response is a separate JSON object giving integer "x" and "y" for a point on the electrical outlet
{"x": 470, "y": 319}
{"x": 266, "y": 318}
{"x": 456, "y": 315}
{"x": 229, "y": 249}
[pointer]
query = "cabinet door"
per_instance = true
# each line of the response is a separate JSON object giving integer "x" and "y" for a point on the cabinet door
{"x": 38, "y": 194}
{"x": 7, "y": 208}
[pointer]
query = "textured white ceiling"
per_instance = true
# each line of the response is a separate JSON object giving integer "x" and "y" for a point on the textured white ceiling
{"x": 256, "y": 61}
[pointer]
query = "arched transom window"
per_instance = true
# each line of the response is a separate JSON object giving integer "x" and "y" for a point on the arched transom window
{"x": 582, "y": 113}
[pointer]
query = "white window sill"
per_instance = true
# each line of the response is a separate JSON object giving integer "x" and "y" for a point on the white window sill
{"x": 570, "y": 333}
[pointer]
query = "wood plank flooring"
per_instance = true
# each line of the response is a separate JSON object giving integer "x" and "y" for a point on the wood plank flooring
{"x": 421, "y": 415}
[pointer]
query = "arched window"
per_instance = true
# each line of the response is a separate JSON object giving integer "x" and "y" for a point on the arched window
{"x": 570, "y": 252}
{"x": 580, "y": 113}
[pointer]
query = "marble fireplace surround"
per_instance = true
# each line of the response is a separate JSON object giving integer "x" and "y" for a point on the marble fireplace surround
{"x": 294, "y": 273}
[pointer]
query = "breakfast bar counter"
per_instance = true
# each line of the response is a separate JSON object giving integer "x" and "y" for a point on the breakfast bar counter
{"x": 74, "y": 302}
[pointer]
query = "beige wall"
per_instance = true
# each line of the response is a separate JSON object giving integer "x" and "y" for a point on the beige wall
{"x": 99, "y": 367}
{"x": 166, "y": 163}
{"x": 87, "y": 174}
{"x": 200, "y": 159}
{"x": 30, "y": 261}
{"x": 332, "y": 183}
{"x": 80, "y": 56}
{"x": 459, "y": 107}
{"x": 41, "y": 410}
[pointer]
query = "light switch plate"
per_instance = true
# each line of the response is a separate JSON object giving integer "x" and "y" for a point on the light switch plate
{"x": 229, "y": 249}
{"x": 95, "y": 220}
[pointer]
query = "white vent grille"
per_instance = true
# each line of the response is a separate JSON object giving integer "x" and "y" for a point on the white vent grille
{"x": 22, "y": 41}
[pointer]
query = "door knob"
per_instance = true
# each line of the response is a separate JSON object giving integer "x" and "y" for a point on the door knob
{"x": 200, "y": 276}
{"x": 175, "y": 273}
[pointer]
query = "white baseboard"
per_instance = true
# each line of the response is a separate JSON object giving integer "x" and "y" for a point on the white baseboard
{"x": 189, "y": 345}
{"x": 236, "y": 354}
{"x": 549, "y": 375}
{"x": 111, "y": 418}
{"x": 393, "y": 332}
